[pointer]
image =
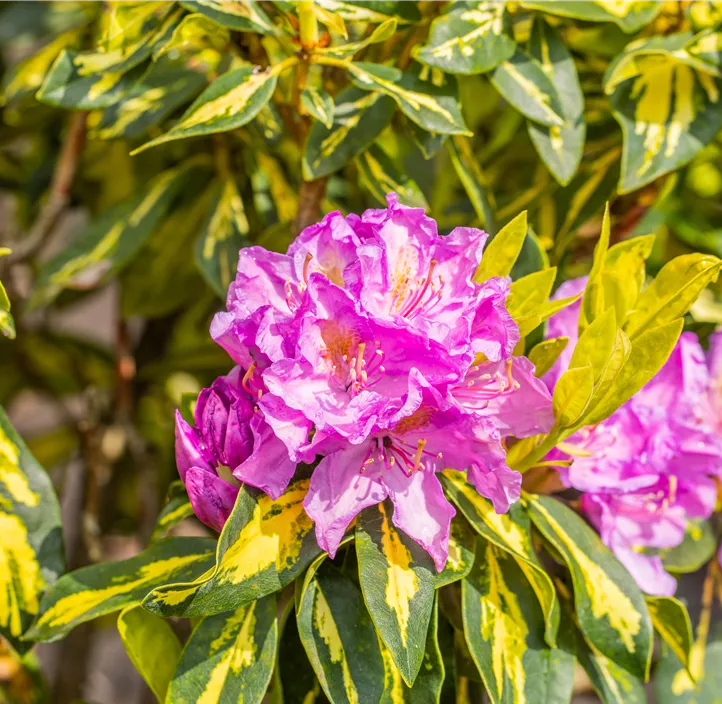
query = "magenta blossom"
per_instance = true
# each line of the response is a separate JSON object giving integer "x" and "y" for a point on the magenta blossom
{"x": 373, "y": 356}
{"x": 649, "y": 468}
{"x": 231, "y": 442}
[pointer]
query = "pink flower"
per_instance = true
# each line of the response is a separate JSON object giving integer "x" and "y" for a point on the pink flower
{"x": 649, "y": 468}
{"x": 373, "y": 355}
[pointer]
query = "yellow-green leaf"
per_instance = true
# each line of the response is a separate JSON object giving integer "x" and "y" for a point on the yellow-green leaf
{"x": 339, "y": 637}
{"x": 152, "y": 646}
{"x": 177, "y": 509}
{"x": 610, "y": 609}
{"x": 318, "y": 104}
{"x": 572, "y": 395}
{"x": 100, "y": 589}
{"x": 229, "y": 657}
{"x": 264, "y": 546}
{"x": 629, "y": 16}
{"x": 398, "y": 581}
{"x": 462, "y": 543}
{"x": 511, "y": 532}
{"x": 385, "y": 30}
{"x": 502, "y": 252}
{"x": 671, "y": 621}
{"x": 593, "y": 304}
{"x": 240, "y": 15}
{"x": 543, "y": 355}
{"x": 31, "y": 551}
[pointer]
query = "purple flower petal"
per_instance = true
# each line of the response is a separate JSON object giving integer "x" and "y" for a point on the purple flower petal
{"x": 211, "y": 497}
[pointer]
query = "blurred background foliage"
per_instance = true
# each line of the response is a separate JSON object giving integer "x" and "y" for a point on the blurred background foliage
{"x": 141, "y": 144}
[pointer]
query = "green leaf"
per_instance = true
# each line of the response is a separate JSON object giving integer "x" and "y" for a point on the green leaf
{"x": 383, "y": 32}
{"x": 428, "y": 683}
{"x": 696, "y": 549}
{"x": 239, "y": 15}
{"x": 113, "y": 240}
{"x": 572, "y": 395}
{"x": 398, "y": 580}
{"x": 595, "y": 344}
{"x": 359, "y": 117}
{"x": 228, "y": 103}
{"x": 152, "y": 646}
{"x": 666, "y": 101}
{"x": 610, "y": 609}
{"x": 462, "y": 544}
{"x": 194, "y": 36}
{"x": 374, "y": 12}
{"x": 522, "y": 82}
{"x": 32, "y": 545}
{"x": 560, "y": 146}
{"x": 472, "y": 179}
{"x": 177, "y": 509}
{"x": 379, "y": 175}
{"x": 648, "y": 354}
{"x": 428, "y": 143}
{"x": 7, "y": 324}
{"x": 502, "y": 252}
{"x": 69, "y": 85}
{"x": 630, "y": 17}
{"x": 504, "y": 628}
{"x": 224, "y": 233}
{"x": 593, "y": 303}
{"x": 435, "y": 108}
{"x": 100, "y": 589}
{"x": 318, "y": 104}
{"x": 511, "y": 532}
{"x": 545, "y": 354}
{"x": 529, "y": 294}
{"x": 165, "y": 87}
{"x": 339, "y": 637}
{"x": 468, "y": 38}
{"x": 229, "y": 657}
{"x": 672, "y": 292}
{"x": 673, "y": 685}
{"x": 298, "y": 680}
{"x": 264, "y": 546}
{"x": 671, "y": 621}
{"x": 612, "y": 683}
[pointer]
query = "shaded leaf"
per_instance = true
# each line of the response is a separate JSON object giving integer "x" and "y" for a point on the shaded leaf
{"x": 177, "y": 509}
{"x": 462, "y": 544}
{"x": 671, "y": 621}
{"x": 398, "y": 581}
{"x": 673, "y": 685}
{"x": 610, "y": 609}
{"x": 100, "y": 589}
{"x": 229, "y": 657}
{"x": 318, "y": 104}
{"x": 697, "y": 548}
{"x": 472, "y": 179}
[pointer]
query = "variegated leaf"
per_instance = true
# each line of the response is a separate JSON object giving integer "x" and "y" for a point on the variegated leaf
{"x": 673, "y": 685}
{"x": 435, "y": 108}
{"x": 667, "y": 102}
{"x": 359, "y": 117}
{"x": 339, "y": 637}
{"x": 379, "y": 175}
{"x": 671, "y": 621}
{"x": 429, "y": 681}
{"x": 470, "y": 37}
{"x": 7, "y": 324}
{"x": 241, "y": 15}
{"x": 560, "y": 146}
{"x": 511, "y": 532}
{"x": 504, "y": 628}
{"x": 398, "y": 581}
{"x": 473, "y": 180}
{"x": 165, "y": 87}
{"x": 318, "y": 104}
{"x": 228, "y": 103}
{"x": 100, "y": 589}
{"x": 31, "y": 550}
{"x": 177, "y": 509}
{"x": 223, "y": 235}
{"x": 428, "y": 142}
{"x": 114, "y": 238}
{"x": 523, "y": 82}
{"x": 610, "y": 609}
{"x": 229, "y": 657}
{"x": 152, "y": 646}
{"x": 695, "y": 550}
{"x": 380, "y": 34}
{"x": 264, "y": 546}
{"x": 374, "y": 12}
{"x": 462, "y": 544}
{"x": 69, "y": 85}
{"x": 630, "y": 16}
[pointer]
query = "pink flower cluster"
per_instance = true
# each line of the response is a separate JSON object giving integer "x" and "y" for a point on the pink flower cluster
{"x": 369, "y": 353}
{"x": 653, "y": 465}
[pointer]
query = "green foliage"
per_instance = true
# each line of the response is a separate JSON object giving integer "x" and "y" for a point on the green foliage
{"x": 179, "y": 132}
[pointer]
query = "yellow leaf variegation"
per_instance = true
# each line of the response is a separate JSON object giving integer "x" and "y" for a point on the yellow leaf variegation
{"x": 667, "y": 101}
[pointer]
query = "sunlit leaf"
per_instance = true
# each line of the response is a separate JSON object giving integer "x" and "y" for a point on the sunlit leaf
{"x": 629, "y": 16}
{"x": 240, "y": 15}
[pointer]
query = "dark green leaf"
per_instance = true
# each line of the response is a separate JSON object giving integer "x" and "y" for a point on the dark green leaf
{"x": 380, "y": 176}
{"x": 318, "y": 104}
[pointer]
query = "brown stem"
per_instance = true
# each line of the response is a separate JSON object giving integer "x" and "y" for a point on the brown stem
{"x": 309, "y": 204}
{"x": 60, "y": 188}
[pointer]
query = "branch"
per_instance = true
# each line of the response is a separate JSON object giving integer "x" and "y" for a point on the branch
{"x": 309, "y": 205}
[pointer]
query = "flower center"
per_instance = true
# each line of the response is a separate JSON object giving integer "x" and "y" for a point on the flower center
{"x": 391, "y": 451}
{"x": 414, "y": 298}
{"x": 480, "y": 386}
